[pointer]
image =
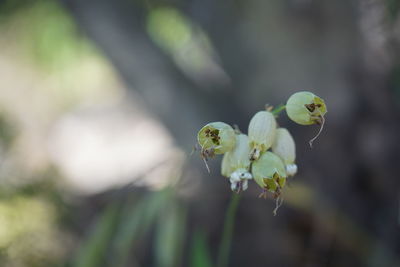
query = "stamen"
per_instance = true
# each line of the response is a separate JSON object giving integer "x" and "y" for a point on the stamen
{"x": 245, "y": 185}
{"x": 239, "y": 187}
{"x": 194, "y": 148}
{"x": 205, "y": 162}
{"x": 263, "y": 194}
{"x": 278, "y": 204}
{"x": 319, "y": 132}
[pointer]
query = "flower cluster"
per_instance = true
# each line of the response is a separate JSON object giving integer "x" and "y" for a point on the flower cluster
{"x": 267, "y": 154}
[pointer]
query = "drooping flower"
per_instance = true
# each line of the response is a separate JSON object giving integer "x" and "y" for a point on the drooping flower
{"x": 305, "y": 108}
{"x": 269, "y": 173}
{"x": 285, "y": 147}
{"x": 217, "y": 137}
{"x": 236, "y": 164}
{"x": 261, "y": 133}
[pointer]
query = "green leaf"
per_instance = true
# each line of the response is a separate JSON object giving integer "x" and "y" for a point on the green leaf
{"x": 200, "y": 256}
{"x": 170, "y": 236}
{"x": 135, "y": 223}
{"x": 91, "y": 253}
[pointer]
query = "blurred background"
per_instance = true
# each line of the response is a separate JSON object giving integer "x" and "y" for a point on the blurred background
{"x": 101, "y": 101}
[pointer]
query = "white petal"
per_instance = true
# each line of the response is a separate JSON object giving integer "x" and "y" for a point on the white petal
{"x": 245, "y": 185}
{"x": 291, "y": 169}
{"x": 233, "y": 186}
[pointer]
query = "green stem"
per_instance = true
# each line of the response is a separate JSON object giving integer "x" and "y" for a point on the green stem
{"x": 229, "y": 223}
{"x": 278, "y": 110}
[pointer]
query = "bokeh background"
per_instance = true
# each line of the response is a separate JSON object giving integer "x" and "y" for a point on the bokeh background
{"x": 100, "y": 103}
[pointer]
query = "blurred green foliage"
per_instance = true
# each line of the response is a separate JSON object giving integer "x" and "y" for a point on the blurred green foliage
{"x": 47, "y": 52}
{"x": 47, "y": 33}
{"x": 94, "y": 251}
{"x": 183, "y": 40}
{"x": 393, "y": 7}
{"x": 121, "y": 230}
{"x": 7, "y": 131}
{"x": 30, "y": 230}
{"x": 169, "y": 28}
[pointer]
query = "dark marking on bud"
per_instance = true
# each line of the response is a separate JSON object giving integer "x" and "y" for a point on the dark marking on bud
{"x": 214, "y": 135}
{"x": 311, "y": 107}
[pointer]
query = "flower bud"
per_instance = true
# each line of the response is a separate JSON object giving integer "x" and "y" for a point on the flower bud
{"x": 269, "y": 172}
{"x": 216, "y": 136}
{"x": 285, "y": 148}
{"x": 261, "y": 133}
{"x": 236, "y": 164}
{"x": 305, "y": 108}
